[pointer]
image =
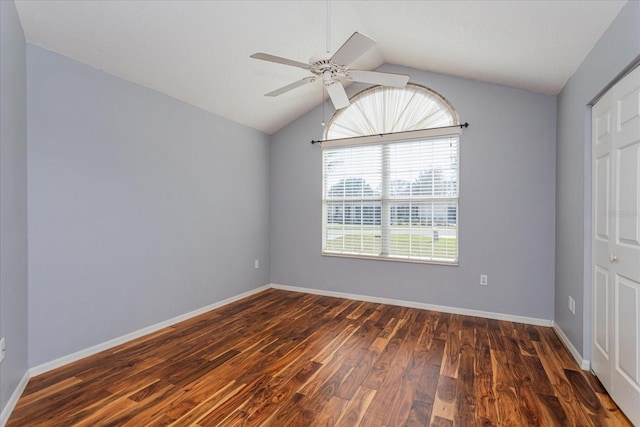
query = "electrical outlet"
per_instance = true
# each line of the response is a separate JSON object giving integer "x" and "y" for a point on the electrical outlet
{"x": 2, "y": 349}
{"x": 572, "y": 305}
{"x": 256, "y": 264}
{"x": 484, "y": 279}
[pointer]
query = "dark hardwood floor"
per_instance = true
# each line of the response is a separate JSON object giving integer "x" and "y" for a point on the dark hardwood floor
{"x": 282, "y": 358}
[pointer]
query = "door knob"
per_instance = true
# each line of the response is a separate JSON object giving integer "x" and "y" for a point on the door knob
{"x": 613, "y": 258}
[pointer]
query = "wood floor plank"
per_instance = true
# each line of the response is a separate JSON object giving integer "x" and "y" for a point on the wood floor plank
{"x": 584, "y": 393}
{"x": 427, "y": 384}
{"x": 554, "y": 366}
{"x": 538, "y": 375}
{"x": 524, "y": 340}
{"x": 465, "y": 386}
{"x": 552, "y": 412}
{"x": 209, "y": 405}
{"x": 315, "y": 403}
{"x": 392, "y": 403}
{"x": 485, "y": 396}
{"x": 280, "y": 389}
{"x": 28, "y": 399}
{"x": 331, "y": 413}
{"x": 420, "y": 414}
{"x": 430, "y": 321}
{"x": 444, "y": 404}
{"x": 400, "y": 387}
{"x": 525, "y": 393}
{"x": 441, "y": 422}
{"x": 452, "y": 348}
{"x": 386, "y": 345}
{"x": 357, "y": 374}
{"x": 356, "y": 408}
{"x": 280, "y": 358}
{"x": 614, "y": 415}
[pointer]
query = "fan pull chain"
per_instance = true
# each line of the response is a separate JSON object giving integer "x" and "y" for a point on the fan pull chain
{"x": 322, "y": 122}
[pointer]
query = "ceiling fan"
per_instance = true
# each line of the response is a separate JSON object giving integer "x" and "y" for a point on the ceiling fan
{"x": 332, "y": 69}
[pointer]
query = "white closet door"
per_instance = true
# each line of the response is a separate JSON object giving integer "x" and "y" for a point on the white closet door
{"x": 616, "y": 243}
{"x": 602, "y": 329}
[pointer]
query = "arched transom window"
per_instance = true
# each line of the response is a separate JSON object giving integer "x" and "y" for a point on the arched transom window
{"x": 383, "y": 109}
{"x": 394, "y": 197}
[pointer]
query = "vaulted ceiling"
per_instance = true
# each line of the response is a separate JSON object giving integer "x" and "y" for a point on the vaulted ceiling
{"x": 198, "y": 51}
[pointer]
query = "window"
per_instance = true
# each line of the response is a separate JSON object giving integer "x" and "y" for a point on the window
{"x": 394, "y": 197}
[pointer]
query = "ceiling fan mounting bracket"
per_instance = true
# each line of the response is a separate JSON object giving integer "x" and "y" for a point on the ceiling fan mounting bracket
{"x": 321, "y": 58}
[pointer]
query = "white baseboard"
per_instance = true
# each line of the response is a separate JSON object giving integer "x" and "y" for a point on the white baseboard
{"x": 423, "y": 306}
{"x": 48, "y": 366}
{"x": 584, "y": 364}
{"x": 6, "y": 412}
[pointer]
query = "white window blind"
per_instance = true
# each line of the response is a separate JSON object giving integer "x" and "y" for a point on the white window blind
{"x": 393, "y": 197}
{"x": 396, "y": 200}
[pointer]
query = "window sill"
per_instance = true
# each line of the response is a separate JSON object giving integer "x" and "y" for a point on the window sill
{"x": 394, "y": 259}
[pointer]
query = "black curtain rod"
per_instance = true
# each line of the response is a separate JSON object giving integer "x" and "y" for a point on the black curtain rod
{"x": 464, "y": 125}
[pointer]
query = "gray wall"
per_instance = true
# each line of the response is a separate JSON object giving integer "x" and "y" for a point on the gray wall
{"x": 142, "y": 207}
{"x": 615, "y": 50}
{"x": 13, "y": 201}
{"x": 507, "y": 208}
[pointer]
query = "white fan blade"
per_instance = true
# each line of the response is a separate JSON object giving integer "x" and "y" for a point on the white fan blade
{"x": 377, "y": 78}
{"x": 352, "y": 49}
{"x": 279, "y": 60}
{"x": 291, "y": 86}
{"x": 338, "y": 95}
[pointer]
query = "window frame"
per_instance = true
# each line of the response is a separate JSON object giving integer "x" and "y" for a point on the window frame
{"x": 385, "y": 199}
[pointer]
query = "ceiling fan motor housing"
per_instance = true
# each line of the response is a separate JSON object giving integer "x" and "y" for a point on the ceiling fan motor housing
{"x": 322, "y": 66}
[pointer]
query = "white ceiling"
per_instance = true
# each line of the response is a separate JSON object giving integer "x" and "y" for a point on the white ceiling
{"x": 198, "y": 51}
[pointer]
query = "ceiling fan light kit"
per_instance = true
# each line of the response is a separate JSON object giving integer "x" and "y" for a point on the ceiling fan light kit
{"x": 333, "y": 69}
